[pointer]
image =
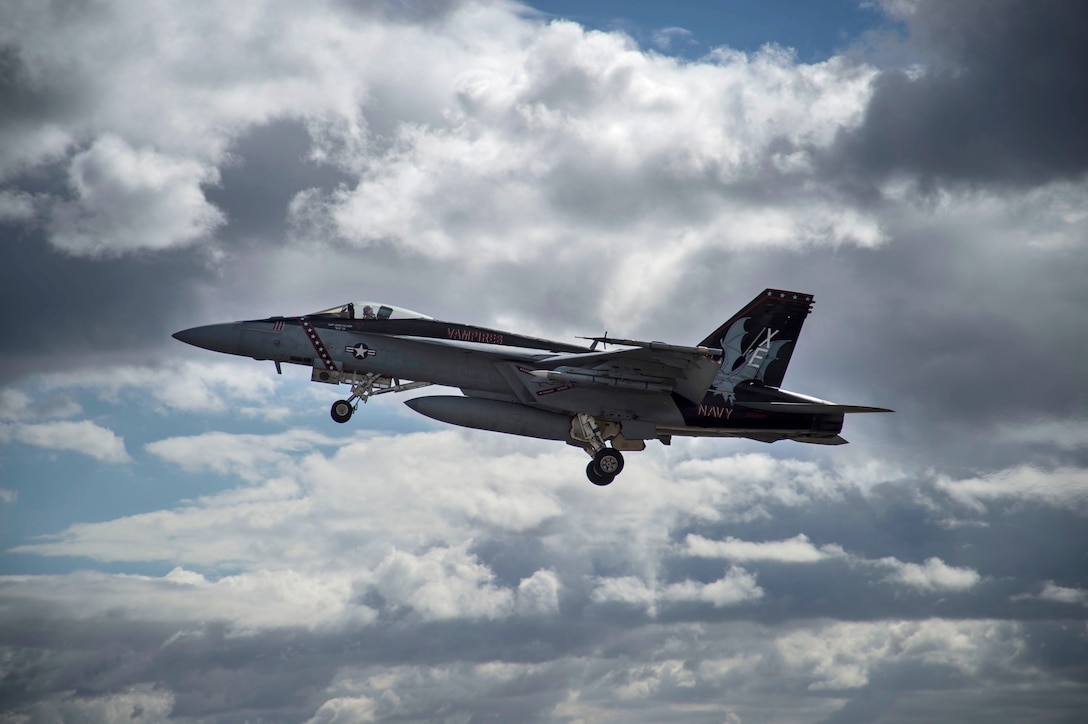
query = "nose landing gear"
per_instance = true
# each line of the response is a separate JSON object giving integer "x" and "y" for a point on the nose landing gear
{"x": 363, "y": 387}
{"x": 341, "y": 411}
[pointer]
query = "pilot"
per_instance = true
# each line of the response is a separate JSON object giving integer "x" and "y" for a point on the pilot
{"x": 368, "y": 312}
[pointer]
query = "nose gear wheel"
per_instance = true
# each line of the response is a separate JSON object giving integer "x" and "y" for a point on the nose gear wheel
{"x": 341, "y": 411}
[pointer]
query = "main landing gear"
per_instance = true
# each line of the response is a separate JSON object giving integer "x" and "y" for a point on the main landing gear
{"x": 363, "y": 387}
{"x": 605, "y": 466}
{"x": 607, "y": 461}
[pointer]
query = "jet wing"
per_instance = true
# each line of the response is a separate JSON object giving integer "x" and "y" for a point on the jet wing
{"x": 652, "y": 366}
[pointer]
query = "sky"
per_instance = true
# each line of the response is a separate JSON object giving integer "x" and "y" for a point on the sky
{"x": 189, "y": 537}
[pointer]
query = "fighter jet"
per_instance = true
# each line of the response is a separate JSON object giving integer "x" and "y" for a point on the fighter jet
{"x": 607, "y": 398}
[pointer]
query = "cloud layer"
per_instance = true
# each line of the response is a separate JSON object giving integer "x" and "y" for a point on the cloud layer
{"x": 189, "y": 538}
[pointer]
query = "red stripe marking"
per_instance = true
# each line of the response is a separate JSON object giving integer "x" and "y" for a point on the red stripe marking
{"x": 319, "y": 346}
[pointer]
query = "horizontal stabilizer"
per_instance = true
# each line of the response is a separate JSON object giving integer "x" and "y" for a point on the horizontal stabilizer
{"x": 809, "y": 408}
{"x": 820, "y": 440}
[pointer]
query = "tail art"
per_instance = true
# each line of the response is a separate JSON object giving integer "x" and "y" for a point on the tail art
{"x": 758, "y": 341}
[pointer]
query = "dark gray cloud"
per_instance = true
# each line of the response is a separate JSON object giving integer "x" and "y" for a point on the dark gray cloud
{"x": 93, "y": 312}
{"x": 21, "y": 99}
{"x": 62, "y": 313}
{"x": 1000, "y": 98}
{"x": 268, "y": 165}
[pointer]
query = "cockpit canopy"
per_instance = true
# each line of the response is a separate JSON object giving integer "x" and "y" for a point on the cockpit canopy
{"x": 370, "y": 310}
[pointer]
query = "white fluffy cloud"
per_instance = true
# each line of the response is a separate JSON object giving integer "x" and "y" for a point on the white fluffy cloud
{"x": 128, "y": 199}
{"x": 148, "y": 98}
{"x": 485, "y": 135}
{"x": 436, "y": 585}
{"x": 84, "y": 437}
{"x": 449, "y": 583}
{"x": 19, "y": 406}
{"x": 249, "y": 457}
{"x": 843, "y": 655}
{"x": 797, "y": 675}
{"x": 310, "y": 497}
{"x": 932, "y": 575}
{"x": 736, "y": 586}
{"x": 207, "y": 386}
{"x": 798, "y": 549}
{"x": 248, "y": 601}
{"x": 576, "y": 128}
{"x": 1063, "y": 594}
{"x": 348, "y": 539}
{"x": 1065, "y": 487}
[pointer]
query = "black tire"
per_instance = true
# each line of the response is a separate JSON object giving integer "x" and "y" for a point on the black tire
{"x": 608, "y": 461}
{"x": 596, "y": 477}
{"x": 341, "y": 411}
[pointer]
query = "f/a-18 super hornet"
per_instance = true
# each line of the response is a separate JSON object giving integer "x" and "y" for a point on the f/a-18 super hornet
{"x": 606, "y": 401}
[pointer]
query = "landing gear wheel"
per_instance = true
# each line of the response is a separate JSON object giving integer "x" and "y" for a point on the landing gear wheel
{"x": 608, "y": 461}
{"x": 596, "y": 477}
{"x": 341, "y": 411}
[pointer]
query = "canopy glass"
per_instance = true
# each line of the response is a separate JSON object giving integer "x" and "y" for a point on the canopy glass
{"x": 370, "y": 310}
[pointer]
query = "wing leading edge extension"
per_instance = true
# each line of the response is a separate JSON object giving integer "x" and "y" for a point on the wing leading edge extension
{"x": 649, "y": 366}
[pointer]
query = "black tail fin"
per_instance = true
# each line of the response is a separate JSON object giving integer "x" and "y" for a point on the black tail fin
{"x": 758, "y": 340}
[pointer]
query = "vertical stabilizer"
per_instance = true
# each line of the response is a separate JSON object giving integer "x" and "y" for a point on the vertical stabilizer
{"x": 758, "y": 340}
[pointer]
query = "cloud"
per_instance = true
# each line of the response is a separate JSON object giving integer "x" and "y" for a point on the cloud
{"x": 207, "y": 386}
{"x": 845, "y": 656}
{"x": 249, "y": 601}
{"x": 798, "y": 675}
{"x": 1063, "y": 434}
{"x": 14, "y": 404}
{"x": 84, "y": 437}
{"x": 16, "y": 207}
{"x": 139, "y": 128}
{"x": 400, "y": 595}
{"x": 19, "y": 406}
{"x": 451, "y": 583}
{"x": 1061, "y": 487}
{"x": 139, "y": 703}
{"x": 663, "y": 38}
{"x": 794, "y": 550}
{"x": 439, "y": 584}
{"x": 199, "y": 168}
{"x": 249, "y": 457}
{"x": 344, "y": 710}
{"x": 128, "y": 200}
{"x": 736, "y": 586}
{"x": 574, "y": 127}
{"x": 993, "y": 99}
{"x": 933, "y": 575}
{"x": 1053, "y": 592}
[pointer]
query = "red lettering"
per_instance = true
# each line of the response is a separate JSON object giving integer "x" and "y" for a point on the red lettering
{"x": 473, "y": 335}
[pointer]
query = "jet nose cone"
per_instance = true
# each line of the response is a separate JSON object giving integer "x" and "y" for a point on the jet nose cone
{"x": 216, "y": 337}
